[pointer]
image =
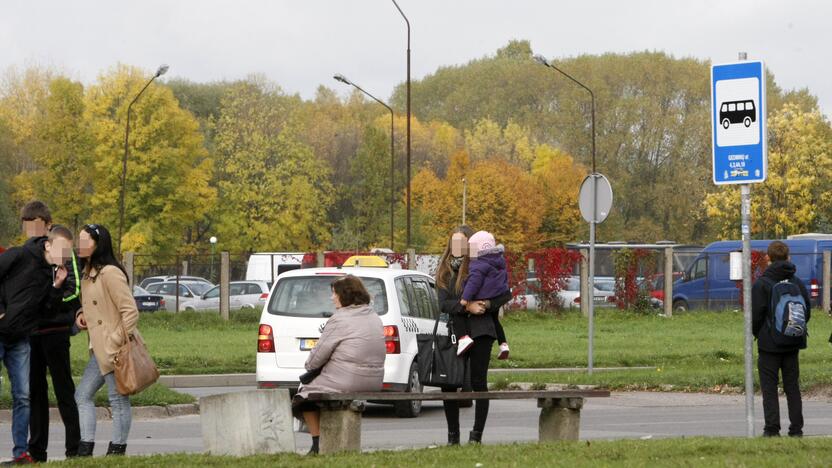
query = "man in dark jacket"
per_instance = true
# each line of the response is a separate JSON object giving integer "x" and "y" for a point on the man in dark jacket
{"x": 26, "y": 290}
{"x": 50, "y": 349}
{"x": 774, "y": 358}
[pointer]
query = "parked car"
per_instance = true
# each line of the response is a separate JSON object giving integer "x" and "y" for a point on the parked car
{"x": 160, "y": 279}
{"x": 147, "y": 302}
{"x": 569, "y": 297}
{"x": 706, "y": 284}
{"x": 241, "y": 295}
{"x": 188, "y": 290}
{"x": 656, "y": 286}
{"x": 300, "y": 303}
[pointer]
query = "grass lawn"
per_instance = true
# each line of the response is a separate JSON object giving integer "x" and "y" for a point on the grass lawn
{"x": 667, "y": 452}
{"x": 695, "y": 351}
{"x": 691, "y": 351}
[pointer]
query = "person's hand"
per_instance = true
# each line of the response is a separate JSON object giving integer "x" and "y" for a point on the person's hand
{"x": 60, "y": 276}
{"x": 475, "y": 308}
{"x": 81, "y": 322}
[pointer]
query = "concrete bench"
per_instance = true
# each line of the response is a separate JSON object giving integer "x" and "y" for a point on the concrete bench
{"x": 560, "y": 412}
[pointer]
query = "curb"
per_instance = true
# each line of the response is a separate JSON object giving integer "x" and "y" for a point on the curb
{"x": 139, "y": 412}
{"x": 208, "y": 380}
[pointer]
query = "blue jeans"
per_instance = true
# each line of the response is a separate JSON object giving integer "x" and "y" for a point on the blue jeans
{"x": 16, "y": 358}
{"x": 119, "y": 404}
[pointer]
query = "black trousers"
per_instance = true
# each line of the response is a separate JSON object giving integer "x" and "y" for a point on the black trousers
{"x": 478, "y": 359}
{"x": 770, "y": 365}
{"x": 52, "y": 352}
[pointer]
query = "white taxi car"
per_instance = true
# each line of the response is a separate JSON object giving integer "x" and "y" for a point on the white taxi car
{"x": 300, "y": 303}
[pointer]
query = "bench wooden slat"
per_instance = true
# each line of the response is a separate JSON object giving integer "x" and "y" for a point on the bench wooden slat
{"x": 439, "y": 396}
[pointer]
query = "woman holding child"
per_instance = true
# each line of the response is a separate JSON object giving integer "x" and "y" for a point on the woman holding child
{"x": 473, "y": 308}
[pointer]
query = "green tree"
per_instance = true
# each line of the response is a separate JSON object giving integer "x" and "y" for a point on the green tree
{"x": 273, "y": 191}
{"x": 167, "y": 189}
{"x": 62, "y": 151}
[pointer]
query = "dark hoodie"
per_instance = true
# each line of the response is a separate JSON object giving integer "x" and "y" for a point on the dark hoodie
{"x": 26, "y": 289}
{"x": 61, "y": 312}
{"x": 487, "y": 276}
{"x": 761, "y": 303}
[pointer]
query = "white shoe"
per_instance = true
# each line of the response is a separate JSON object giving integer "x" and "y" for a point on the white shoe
{"x": 503, "y": 351}
{"x": 463, "y": 345}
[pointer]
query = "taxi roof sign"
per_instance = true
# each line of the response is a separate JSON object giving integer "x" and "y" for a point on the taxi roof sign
{"x": 365, "y": 261}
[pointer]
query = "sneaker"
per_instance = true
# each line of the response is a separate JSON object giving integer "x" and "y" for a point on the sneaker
{"x": 23, "y": 459}
{"x": 503, "y": 351}
{"x": 463, "y": 345}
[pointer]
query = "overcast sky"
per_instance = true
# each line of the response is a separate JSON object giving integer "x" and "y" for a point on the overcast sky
{"x": 300, "y": 44}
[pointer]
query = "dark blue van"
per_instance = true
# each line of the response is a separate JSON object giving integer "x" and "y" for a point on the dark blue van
{"x": 706, "y": 283}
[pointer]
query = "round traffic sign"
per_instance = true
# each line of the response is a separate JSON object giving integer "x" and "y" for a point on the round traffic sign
{"x": 595, "y": 206}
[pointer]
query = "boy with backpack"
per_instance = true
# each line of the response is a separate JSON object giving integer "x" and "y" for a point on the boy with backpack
{"x": 780, "y": 313}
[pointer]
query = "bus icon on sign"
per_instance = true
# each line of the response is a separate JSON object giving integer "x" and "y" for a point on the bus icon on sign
{"x": 734, "y": 112}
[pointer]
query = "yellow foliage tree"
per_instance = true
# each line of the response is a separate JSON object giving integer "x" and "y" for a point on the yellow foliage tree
{"x": 796, "y": 196}
{"x": 168, "y": 167}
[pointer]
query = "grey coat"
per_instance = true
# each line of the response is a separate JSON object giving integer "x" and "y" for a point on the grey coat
{"x": 351, "y": 352}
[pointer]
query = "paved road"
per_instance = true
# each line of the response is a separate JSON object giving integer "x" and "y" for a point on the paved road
{"x": 624, "y": 415}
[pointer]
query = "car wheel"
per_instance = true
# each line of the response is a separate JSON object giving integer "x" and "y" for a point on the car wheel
{"x": 747, "y": 121}
{"x": 410, "y": 409}
{"x": 725, "y": 124}
{"x": 680, "y": 305}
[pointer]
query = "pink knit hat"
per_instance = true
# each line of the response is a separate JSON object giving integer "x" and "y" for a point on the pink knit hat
{"x": 480, "y": 241}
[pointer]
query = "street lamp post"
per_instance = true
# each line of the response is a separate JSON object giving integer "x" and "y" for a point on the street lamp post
{"x": 542, "y": 60}
{"x": 591, "y": 284}
{"x": 159, "y": 72}
{"x": 408, "y": 120}
{"x": 343, "y": 79}
{"x": 213, "y": 241}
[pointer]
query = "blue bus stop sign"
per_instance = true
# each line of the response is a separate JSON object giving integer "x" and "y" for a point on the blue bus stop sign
{"x": 738, "y": 116}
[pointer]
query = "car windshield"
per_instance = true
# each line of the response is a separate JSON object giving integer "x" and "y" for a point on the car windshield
{"x": 608, "y": 286}
{"x": 138, "y": 291}
{"x": 311, "y": 296}
{"x": 199, "y": 288}
{"x": 572, "y": 284}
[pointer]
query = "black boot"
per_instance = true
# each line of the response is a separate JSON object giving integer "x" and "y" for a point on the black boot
{"x": 314, "y": 450}
{"x": 116, "y": 449}
{"x": 475, "y": 437}
{"x": 85, "y": 449}
{"x": 453, "y": 438}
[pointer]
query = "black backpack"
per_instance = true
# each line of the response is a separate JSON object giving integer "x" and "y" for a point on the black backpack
{"x": 787, "y": 314}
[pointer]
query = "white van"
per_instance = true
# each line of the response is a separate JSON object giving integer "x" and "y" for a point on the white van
{"x": 300, "y": 303}
{"x": 266, "y": 266}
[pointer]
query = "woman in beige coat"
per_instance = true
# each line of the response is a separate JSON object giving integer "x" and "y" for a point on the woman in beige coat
{"x": 349, "y": 355}
{"x": 109, "y": 315}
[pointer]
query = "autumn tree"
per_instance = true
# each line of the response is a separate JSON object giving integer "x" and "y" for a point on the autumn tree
{"x": 167, "y": 187}
{"x": 273, "y": 192}
{"x": 797, "y": 194}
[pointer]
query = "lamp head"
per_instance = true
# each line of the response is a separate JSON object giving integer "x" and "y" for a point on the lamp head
{"x": 213, "y": 239}
{"x": 540, "y": 59}
{"x": 342, "y": 79}
{"x": 162, "y": 70}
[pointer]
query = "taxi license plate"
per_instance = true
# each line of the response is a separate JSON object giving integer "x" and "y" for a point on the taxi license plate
{"x": 307, "y": 344}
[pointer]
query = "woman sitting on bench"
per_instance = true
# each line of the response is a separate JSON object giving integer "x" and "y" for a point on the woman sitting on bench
{"x": 349, "y": 356}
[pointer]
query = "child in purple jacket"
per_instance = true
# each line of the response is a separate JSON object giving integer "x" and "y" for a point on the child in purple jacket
{"x": 487, "y": 280}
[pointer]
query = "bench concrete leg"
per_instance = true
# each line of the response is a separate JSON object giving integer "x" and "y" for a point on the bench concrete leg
{"x": 341, "y": 428}
{"x": 560, "y": 418}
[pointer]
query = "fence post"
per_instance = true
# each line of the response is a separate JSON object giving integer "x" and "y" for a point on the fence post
{"x": 128, "y": 265}
{"x": 411, "y": 259}
{"x": 320, "y": 260}
{"x": 225, "y": 300}
{"x": 178, "y": 274}
{"x": 584, "y": 283}
{"x": 668, "y": 281}
{"x": 827, "y": 280}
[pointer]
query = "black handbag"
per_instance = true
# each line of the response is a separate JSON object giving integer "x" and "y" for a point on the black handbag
{"x": 439, "y": 365}
{"x": 309, "y": 376}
